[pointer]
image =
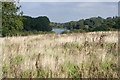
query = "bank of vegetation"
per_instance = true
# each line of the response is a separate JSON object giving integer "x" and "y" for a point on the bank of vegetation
{"x": 90, "y": 25}
{"x": 14, "y": 23}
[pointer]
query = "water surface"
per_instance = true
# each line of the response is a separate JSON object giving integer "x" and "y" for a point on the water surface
{"x": 58, "y": 30}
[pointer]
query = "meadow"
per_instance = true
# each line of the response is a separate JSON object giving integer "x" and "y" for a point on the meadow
{"x": 76, "y": 55}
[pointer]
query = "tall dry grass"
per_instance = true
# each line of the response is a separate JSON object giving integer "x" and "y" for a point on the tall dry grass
{"x": 81, "y": 55}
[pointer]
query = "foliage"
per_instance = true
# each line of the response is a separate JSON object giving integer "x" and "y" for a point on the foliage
{"x": 38, "y": 24}
{"x": 77, "y": 31}
{"x": 13, "y": 23}
{"x": 64, "y": 32}
{"x": 91, "y": 24}
{"x": 11, "y": 19}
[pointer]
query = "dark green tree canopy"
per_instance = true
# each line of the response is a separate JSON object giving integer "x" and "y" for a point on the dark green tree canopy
{"x": 14, "y": 23}
{"x": 91, "y": 24}
{"x": 11, "y": 20}
{"x": 39, "y": 24}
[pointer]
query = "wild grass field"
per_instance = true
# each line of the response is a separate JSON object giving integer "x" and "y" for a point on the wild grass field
{"x": 77, "y": 55}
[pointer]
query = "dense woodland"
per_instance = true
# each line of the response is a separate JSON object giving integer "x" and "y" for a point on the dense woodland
{"x": 91, "y": 24}
{"x": 14, "y": 23}
{"x": 39, "y": 24}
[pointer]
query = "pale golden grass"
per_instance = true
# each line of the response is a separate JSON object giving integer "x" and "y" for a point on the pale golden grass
{"x": 56, "y": 51}
{"x": 1, "y": 41}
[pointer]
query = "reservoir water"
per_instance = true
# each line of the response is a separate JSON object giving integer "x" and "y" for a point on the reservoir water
{"x": 58, "y": 30}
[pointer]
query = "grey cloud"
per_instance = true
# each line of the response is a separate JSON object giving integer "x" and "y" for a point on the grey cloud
{"x": 68, "y": 11}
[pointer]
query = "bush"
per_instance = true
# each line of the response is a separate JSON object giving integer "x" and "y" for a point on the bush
{"x": 26, "y": 33}
{"x": 102, "y": 28}
{"x": 77, "y": 31}
{"x": 52, "y": 32}
{"x": 64, "y": 32}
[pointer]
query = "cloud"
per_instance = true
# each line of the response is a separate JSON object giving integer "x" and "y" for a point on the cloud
{"x": 67, "y": 11}
{"x": 69, "y": 0}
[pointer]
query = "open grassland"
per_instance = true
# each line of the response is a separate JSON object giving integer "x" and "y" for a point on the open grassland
{"x": 81, "y": 55}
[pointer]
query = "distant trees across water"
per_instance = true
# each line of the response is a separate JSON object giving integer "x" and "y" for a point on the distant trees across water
{"x": 91, "y": 24}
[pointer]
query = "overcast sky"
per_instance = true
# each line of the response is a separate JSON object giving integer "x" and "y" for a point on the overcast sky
{"x": 68, "y": 0}
{"x": 69, "y": 11}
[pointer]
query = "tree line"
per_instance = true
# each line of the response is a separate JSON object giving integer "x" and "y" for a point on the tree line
{"x": 39, "y": 24}
{"x": 14, "y": 23}
{"x": 91, "y": 24}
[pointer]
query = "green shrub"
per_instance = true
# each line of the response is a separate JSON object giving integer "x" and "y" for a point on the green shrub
{"x": 52, "y": 32}
{"x": 77, "y": 31}
{"x": 64, "y": 32}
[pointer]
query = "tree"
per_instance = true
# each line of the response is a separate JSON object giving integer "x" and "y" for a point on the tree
{"x": 11, "y": 18}
{"x": 103, "y": 27}
{"x": 28, "y": 23}
{"x": 41, "y": 23}
{"x": 0, "y": 18}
